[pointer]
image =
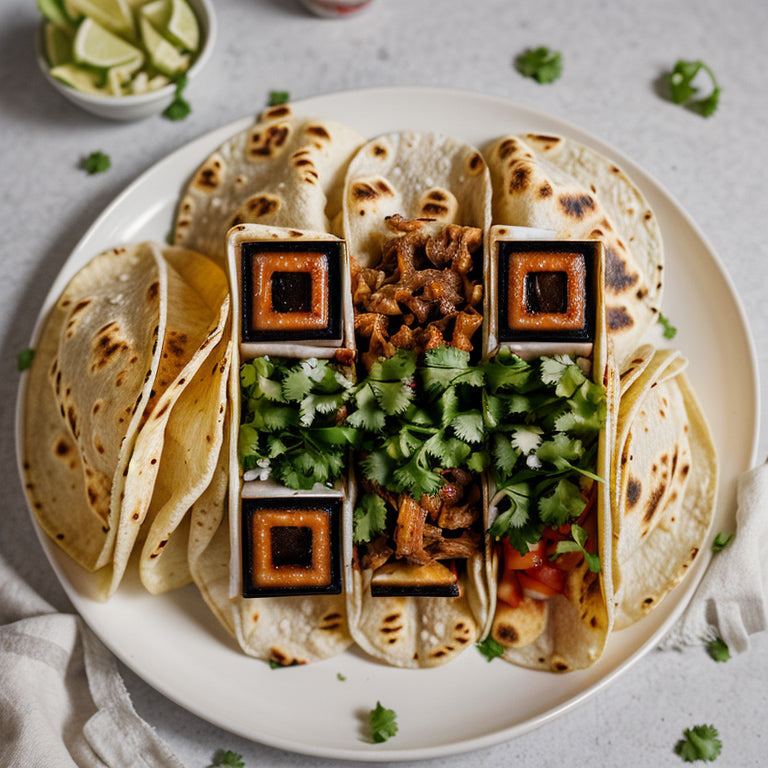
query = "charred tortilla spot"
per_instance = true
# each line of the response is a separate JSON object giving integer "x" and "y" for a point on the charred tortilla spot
{"x": 561, "y": 666}
{"x": 59, "y": 536}
{"x": 694, "y": 552}
{"x": 475, "y": 162}
{"x": 577, "y": 206}
{"x": 319, "y": 132}
{"x": 545, "y": 190}
{"x": 434, "y": 209}
{"x": 281, "y": 110}
{"x": 618, "y": 318}
{"x": 62, "y": 448}
{"x": 506, "y": 633}
{"x": 364, "y": 190}
{"x": 268, "y": 142}
{"x": 506, "y": 148}
{"x": 262, "y": 205}
{"x": 153, "y": 290}
{"x": 392, "y": 617}
{"x": 617, "y": 279}
{"x": 653, "y": 503}
{"x": 634, "y": 488}
{"x": 518, "y": 180}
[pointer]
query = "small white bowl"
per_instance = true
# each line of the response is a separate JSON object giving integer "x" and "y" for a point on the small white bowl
{"x": 141, "y": 105}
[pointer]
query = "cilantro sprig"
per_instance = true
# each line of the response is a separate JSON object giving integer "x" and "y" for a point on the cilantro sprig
{"x": 276, "y": 98}
{"x": 383, "y": 723}
{"x": 490, "y": 648}
{"x": 24, "y": 359}
{"x": 542, "y": 64}
{"x": 699, "y": 743}
{"x": 669, "y": 330}
{"x": 179, "y": 108}
{"x": 543, "y": 419}
{"x": 290, "y": 420}
{"x": 369, "y": 518}
{"x": 96, "y": 162}
{"x": 683, "y": 91}
{"x": 228, "y": 759}
{"x": 579, "y": 544}
{"x": 718, "y": 649}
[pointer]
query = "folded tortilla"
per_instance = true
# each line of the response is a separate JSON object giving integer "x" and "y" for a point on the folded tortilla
{"x": 550, "y": 182}
{"x": 665, "y": 479}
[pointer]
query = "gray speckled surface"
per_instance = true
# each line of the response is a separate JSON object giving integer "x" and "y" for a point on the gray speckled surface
{"x": 614, "y": 54}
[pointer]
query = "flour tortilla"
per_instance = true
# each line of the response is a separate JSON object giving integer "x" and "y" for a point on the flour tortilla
{"x": 96, "y": 364}
{"x": 665, "y": 475}
{"x": 416, "y": 175}
{"x": 550, "y": 182}
{"x": 198, "y": 311}
{"x": 284, "y": 171}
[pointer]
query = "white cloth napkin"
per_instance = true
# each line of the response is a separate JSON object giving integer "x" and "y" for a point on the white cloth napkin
{"x": 62, "y": 700}
{"x": 730, "y": 602}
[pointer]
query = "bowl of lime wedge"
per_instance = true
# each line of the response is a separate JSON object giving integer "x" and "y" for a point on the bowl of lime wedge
{"x": 125, "y": 59}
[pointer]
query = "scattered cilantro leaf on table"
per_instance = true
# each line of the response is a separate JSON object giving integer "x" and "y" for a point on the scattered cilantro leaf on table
{"x": 490, "y": 648}
{"x": 669, "y": 330}
{"x": 96, "y": 162}
{"x": 542, "y": 64}
{"x": 276, "y": 98}
{"x": 383, "y": 723}
{"x": 24, "y": 358}
{"x": 700, "y": 743}
{"x": 228, "y": 759}
{"x": 682, "y": 90}
{"x": 179, "y": 108}
{"x": 718, "y": 649}
{"x": 722, "y": 540}
{"x": 341, "y": 677}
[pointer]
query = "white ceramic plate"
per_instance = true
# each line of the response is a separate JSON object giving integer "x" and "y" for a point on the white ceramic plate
{"x": 176, "y": 645}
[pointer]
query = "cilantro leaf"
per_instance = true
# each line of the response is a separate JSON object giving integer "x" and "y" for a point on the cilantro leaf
{"x": 341, "y": 677}
{"x": 96, "y": 162}
{"x": 562, "y": 372}
{"x": 276, "y": 98}
{"x": 383, "y": 723}
{"x": 669, "y": 330}
{"x": 468, "y": 426}
{"x": 369, "y": 518}
{"x": 564, "y": 503}
{"x": 24, "y": 359}
{"x": 578, "y": 544}
{"x": 722, "y": 540}
{"x": 179, "y": 108}
{"x": 228, "y": 759}
{"x": 490, "y": 648}
{"x": 718, "y": 649}
{"x": 542, "y": 64}
{"x": 682, "y": 90}
{"x": 700, "y": 743}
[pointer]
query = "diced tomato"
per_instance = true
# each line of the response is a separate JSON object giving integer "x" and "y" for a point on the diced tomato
{"x": 534, "y": 588}
{"x": 549, "y": 576}
{"x": 509, "y": 589}
{"x": 514, "y": 561}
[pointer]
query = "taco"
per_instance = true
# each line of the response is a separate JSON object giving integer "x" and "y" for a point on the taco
{"x": 416, "y": 207}
{"x": 551, "y": 403}
{"x": 555, "y": 183}
{"x": 664, "y": 476}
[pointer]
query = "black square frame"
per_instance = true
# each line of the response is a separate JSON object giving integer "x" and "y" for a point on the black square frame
{"x": 249, "y": 507}
{"x": 587, "y": 248}
{"x": 331, "y": 249}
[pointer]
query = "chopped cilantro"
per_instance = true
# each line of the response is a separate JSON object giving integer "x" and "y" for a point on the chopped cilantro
{"x": 96, "y": 162}
{"x": 669, "y": 330}
{"x": 490, "y": 648}
{"x": 542, "y": 64}
{"x": 276, "y": 98}
{"x": 277, "y": 665}
{"x": 722, "y": 540}
{"x": 228, "y": 759}
{"x": 718, "y": 649}
{"x": 179, "y": 108}
{"x": 341, "y": 677}
{"x": 383, "y": 723}
{"x": 24, "y": 358}
{"x": 682, "y": 90}
{"x": 700, "y": 743}
{"x": 370, "y": 517}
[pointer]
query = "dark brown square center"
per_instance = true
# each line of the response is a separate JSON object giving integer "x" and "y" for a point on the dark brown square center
{"x": 291, "y": 546}
{"x": 292, "y": 291}
{"x": 546, "y": 292}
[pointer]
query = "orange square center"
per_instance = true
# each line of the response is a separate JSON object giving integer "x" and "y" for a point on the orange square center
{"x": 291, "y": 548}
{"x": 290, "y": 292}
{"x": 546, "y": 291}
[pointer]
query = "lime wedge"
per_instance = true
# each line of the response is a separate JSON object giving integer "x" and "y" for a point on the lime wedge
{"x": 115, "y": 15}
{"x": 182, "y": 26}
{"x": 166, "y": 59}
{"x": 157, "y": 13}
{"x": 53, "y": 11}
{"x": 98, "y": 47}
{"x": 58, "y": 45}
{"x": 78, "y": 78}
